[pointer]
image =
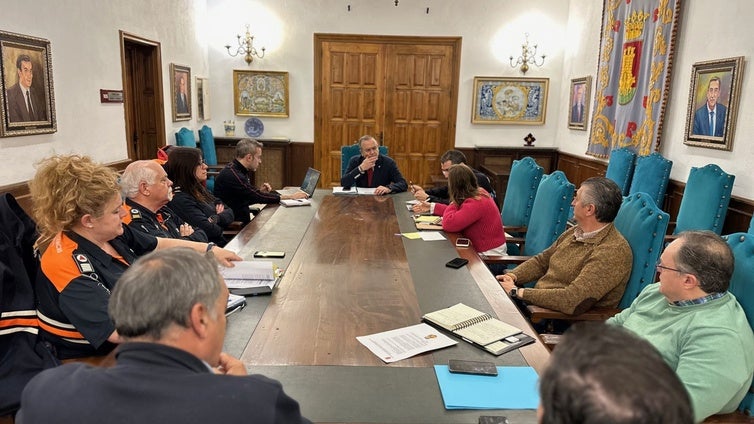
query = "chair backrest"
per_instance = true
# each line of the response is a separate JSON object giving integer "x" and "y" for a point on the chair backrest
{"x": 185, "y": 137}
{"x": 549, "y": 214}
{"x": 705, "y": 200}
{"x": 742, "y": 286}
{"x": 643, "y": 225}
{"x": 207, "y": 144}
{"x": 523, "y": 182}
{"x": 620, "y": 168}
{"x": 347, "y": 152}
{"x": 751, "y": 226}
{"x": 651, "y": 176}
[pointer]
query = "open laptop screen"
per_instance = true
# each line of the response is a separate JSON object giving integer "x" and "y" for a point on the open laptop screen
{"x": 310, "y": 181}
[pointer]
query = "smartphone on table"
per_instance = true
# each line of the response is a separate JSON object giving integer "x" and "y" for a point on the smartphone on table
{"x": 458, "y": 366}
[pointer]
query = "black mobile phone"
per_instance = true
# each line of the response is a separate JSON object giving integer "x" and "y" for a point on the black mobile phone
{"x": 463, "y": 242}
{"x": 268, "y": 254}
{"x": 456, "y": 263}
{"x": 458, "y": 366}
{"x": 493, "y": 419}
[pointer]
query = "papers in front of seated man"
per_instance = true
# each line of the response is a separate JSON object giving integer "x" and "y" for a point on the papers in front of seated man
{"x": 251, "y": 277}
{"x": 402, "y": 343}
{"x": 340, "y": 191}
{"x": 295, "y": 202}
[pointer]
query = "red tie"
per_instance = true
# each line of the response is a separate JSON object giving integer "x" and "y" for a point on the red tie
{"x": 370, "y": 173}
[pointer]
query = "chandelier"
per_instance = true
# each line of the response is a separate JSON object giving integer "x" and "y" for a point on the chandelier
{"x": 246, "y": 47}
{"x": 528, "y": 57}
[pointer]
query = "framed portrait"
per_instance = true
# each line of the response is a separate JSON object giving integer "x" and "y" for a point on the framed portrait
{"x": 578, "y": 112}
{"x": 500, "y": 100}
{"x": 180, "y": 92}
{"x": 27, "y": 98}
{"x": 260, "y": 93}
{"x": 202, "y": 98}
{"x": 713, "y": 103}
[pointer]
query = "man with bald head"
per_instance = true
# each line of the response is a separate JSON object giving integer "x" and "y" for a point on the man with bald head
{"x": 147, "y": 190}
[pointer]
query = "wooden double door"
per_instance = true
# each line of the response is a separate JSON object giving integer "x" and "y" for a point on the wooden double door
{"x": 401, "y": 90}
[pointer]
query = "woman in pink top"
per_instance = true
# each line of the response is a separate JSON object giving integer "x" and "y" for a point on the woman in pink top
{"x": 472, "y": 212}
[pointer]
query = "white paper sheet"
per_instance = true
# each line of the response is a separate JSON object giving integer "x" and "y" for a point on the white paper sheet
{"x": 402, "y": 343}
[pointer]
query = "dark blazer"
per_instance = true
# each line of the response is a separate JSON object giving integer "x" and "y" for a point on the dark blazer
{"x": 441, "y": 194}
{"x": 17, "y": 110}
{"x": 575, "y": 114}
{"x": 181, "y": 104}
{"x": 701, "y": 121}
{"x": 386, "y": 174}
{"x": 201, "y": 215}
{"x": 234, "y": 188}
{"x": 153, "y": 383}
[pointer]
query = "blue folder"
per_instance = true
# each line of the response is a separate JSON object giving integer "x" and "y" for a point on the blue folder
{"x": 512, "y": 388}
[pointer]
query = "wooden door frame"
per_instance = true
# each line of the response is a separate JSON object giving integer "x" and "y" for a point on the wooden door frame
{"x": 321, "y": 38}
{"x": 127, "y": 98}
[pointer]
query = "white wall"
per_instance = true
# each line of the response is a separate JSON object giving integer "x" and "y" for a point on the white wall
{"x": 492, "y": 30}
{"x": 85, "y": 50}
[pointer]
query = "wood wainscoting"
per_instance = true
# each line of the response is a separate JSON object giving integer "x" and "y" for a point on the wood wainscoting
{"x": 578, "y": 169}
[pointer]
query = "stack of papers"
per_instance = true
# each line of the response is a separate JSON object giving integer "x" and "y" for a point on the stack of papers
{"x": 251, "y": 277}
{"x": 295, "y": 202}
{"x": 402, "y": 343}
{"x": 340, "y": 191}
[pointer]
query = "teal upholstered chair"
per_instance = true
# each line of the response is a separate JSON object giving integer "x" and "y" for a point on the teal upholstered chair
{"x": 651, "y": 176}
{"x": 705, "y": 200}
{"x": 207, "y": 145}
{"x": 523, "y": 182}
{"x": 620, "y": 168}
{"x": 742, "y": 286}
{"x": 751, "y": 226}
{"x": 347, "y": 152}
{"x": 549, "y": 216}
{"x": 643, "y": 225}
{"x": 185, "y": 137}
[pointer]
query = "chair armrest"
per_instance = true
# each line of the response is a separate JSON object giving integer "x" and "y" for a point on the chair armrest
{"x": 539, "y": 313}
{"x": 670, "y": 237}
{"x": 504, "y": 259}
{"x": 514, "y": 229}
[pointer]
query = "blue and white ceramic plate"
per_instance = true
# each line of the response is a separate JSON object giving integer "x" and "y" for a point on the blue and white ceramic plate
{"x": 254, "y": 127}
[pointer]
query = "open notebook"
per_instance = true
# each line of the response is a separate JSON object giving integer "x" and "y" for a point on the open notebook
{"x": 307, "y": 186}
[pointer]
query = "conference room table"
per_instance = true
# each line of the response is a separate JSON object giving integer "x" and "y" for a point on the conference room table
{"x": 349, "y": 273}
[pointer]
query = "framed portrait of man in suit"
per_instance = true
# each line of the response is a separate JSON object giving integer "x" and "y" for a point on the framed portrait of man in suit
{"x": 180, "y": 92}
{"x": 578, "y": 112}
{"x": 713, "y": 103}
{"x": 27, "y": 99}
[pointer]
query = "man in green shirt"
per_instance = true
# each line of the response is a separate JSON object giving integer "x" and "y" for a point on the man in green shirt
{"x": 699, "y": 327}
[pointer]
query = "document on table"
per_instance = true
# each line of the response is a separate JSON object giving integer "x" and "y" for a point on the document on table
{"x": 431, "y": 235}
{"x": 402, "y": 343}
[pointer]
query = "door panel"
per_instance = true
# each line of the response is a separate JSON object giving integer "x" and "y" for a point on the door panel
{"x": 401, "y": 90}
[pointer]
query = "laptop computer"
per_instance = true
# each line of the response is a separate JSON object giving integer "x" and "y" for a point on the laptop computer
{"x": 308, "y": 185}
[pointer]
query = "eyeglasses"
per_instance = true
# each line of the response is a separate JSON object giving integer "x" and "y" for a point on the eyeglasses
{"x": 445, "y": 170}
{"x": 201, "y": 162}
{"x": 659, "y": 268}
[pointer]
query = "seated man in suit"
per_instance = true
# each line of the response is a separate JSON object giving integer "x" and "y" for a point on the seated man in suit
{"x": 148, "y": 190}
{"x": 169, "y": 309}
{"x": 587, "y": 266}
{"x": 373, "y": 170}
{"x": 603, "y": 374}
{"x": 233, "y": 185}
{"x": 440, "y": 194}
{"x": 698, "y": 326}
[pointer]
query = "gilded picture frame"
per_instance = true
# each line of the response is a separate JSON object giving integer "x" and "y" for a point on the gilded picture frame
{"x": 578, "y": 110}
{"x": 517, "y": 101}
{"x": 260, "y": 93}
{"x": 27, "y": 96}
{"x": 180, "y": 92}
{"x": 714, "y": 94}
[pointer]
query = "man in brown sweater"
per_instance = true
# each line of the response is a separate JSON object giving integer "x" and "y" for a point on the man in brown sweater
{"x": 587, "y": 266}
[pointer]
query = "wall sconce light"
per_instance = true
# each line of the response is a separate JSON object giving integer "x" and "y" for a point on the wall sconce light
{"x": 528, "y": 56}
{"x": 246, "y": 47}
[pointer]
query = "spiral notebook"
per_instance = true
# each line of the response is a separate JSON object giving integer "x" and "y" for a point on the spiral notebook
{"x": 479, "y": 328}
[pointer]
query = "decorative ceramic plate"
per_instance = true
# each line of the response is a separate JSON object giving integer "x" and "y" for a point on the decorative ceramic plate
{"x": 254, "y": 127}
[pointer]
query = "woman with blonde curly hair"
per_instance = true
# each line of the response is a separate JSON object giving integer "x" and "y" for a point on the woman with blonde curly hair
{"x": 85, "y": 248}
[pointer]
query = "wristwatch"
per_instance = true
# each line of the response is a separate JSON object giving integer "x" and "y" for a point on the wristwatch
{"x": 514, "y": 293}
{"x": 210, "y": 245}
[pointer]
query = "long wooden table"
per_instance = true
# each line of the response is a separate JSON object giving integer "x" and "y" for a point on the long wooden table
{"x": 348, "y": 274}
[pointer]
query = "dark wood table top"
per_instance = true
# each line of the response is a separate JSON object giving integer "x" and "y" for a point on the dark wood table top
{"x": 348, "y": 274}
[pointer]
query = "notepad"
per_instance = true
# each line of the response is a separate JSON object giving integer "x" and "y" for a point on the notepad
{"x": 295, "y": 202}
{"x": 475, "y": 327}
{"x": 249, "y": 278}
{"x": 512, "y": 388}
